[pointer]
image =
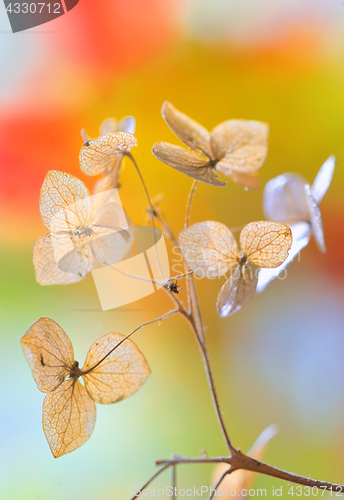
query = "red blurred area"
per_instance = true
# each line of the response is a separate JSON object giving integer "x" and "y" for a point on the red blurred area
{"x": 112, "y": 35}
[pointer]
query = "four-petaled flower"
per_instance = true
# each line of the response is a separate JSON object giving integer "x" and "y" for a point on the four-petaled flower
{"x": 235, "y": 148}
{"x": 210, "y": 251}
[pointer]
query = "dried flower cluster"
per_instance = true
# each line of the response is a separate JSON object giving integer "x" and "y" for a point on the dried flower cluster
{"x": 81, "y": 232}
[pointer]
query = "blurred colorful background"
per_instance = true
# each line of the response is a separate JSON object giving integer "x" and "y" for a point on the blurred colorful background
{"x": 280, "y": 359}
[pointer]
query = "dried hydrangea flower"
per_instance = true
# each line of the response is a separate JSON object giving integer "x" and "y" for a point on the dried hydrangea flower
{"x": 81, "y": 228}
{"x": 104, "y": 154}
{"x": 114, "y": 369}
{"x": 210, "y": 250}
{"x": 288, "y": 198}
{"x": 235, "y": 148}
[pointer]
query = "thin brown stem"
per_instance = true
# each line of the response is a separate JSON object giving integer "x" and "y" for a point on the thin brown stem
{"x": 189, "y": 202}
{"x": 160, "y": 318}
{"x": 151, "y": 209}
{"x": 174, "y": 482}
{"x": 138, "y": 493}
{"x": 218, "y": 483}
{"x": 241, "y": 461}
{"x": 205, "y": 355}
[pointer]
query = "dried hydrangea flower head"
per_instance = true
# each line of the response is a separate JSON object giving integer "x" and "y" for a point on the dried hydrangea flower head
{"x": 288, "y": 198}
{"x": 210, "y": 251}
{"x": 104, "y": 154}
{"x": 240, "y": 481}
{"x": 235, "y": 148}
{"x": 82, "y": 230}
{"x": 114, "y": 369}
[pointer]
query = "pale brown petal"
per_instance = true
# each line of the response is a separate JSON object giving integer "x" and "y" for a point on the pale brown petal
{"x": 240, "y": 146}
{"x": 187, "y": 162}
{"x": 49, "y": 353}
{"x": 64, "y": 201}
{"x": 69, "y": 415}
{"x": 266, "y": 243}
{"x": 120, "y": 374}
{"x": 301, "y": 233}
{"x": 46, "y": 265}
{"x": 249, "y": 181}
{"x": 99, "y": 154}
{"x": 209, "y": 249}
{"x": 236, "y": 291}
{"x": 190, "y": 132}
{"x": 323, "y": 179}
{"x": 285, "y": 199}
{"x": 316, "y": 220}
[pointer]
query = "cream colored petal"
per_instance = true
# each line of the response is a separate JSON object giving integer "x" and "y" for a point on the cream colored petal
{"x": 69, "y": 415}
{"x": 46, "y": 265}
{"x": 112, "y": 247}
{"x": 301, "y": 233}
{"x": 323, "y": 179}
{"x": 316, "y": 220}
{"x": 108, "y": 126}
{"x": 49, "y": 353}
{"x": 249, "y": 181}
{"x": 266, "y": 243}
{"x": 99, "y": 154}
{"x": 126, "y": 124}
{"x": 240, "y": 146}
{"x": 122, "y": 372}
{"x": 189, "y": 131}
{"x": 285, "y": 199}
{"x": 236, "y": 291}
{"x": 187, "y": 162}
{"x": 209, "y": 249}
{"x": 64, "y": 201}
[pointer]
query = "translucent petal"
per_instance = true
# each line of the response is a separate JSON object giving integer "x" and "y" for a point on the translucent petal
{"x": 323, "y": 179}
{"x": 316, "y": 220}
{"x": 49, "y": 353}
{"x": 236, "y": 291}
{"x": 190, "y": 132}
{"x": 240, "y": 145}
{"x": 266, "y": 243}
{"x": 249, "y": 181}
{"x": 64, "y": 201}
{"x": 99, "y": 154}
{"x": 126, "y": 124}
{"x": 301, "y": 233}
{"x": 121, "y": 374}
{"x": 78, "y": 261}
{"x": 108, "y": 126}
{"x": 187, "y": 162}
{"x": 69, "y": 415}
{"x": 46, "y": 265}
{"x": 285, "y": 199}
{"x": 209, "y": 249}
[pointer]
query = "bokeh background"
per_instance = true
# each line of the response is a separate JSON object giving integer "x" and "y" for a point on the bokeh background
{"x": 280, "y": 359}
